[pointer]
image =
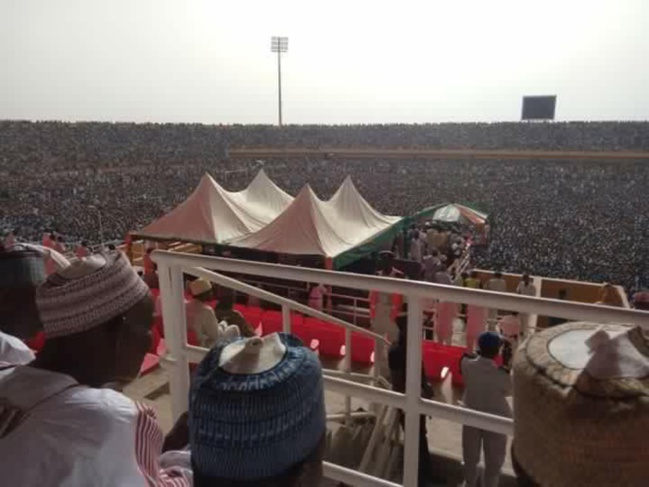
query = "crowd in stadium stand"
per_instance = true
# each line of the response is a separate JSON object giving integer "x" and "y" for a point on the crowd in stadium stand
{"x": 584, "y": 220}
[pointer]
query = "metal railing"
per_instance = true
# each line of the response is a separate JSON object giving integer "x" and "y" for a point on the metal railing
{"x": 172, "y": 265}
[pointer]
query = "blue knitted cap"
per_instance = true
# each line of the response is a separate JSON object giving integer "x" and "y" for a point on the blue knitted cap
{"x": 488, "y": 340}
{"x": 249, "y": 427}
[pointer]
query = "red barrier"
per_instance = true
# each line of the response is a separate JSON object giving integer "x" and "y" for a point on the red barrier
{"x": 331, "y": 337}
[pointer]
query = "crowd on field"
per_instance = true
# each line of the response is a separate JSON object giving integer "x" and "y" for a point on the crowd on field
{"x": 575, "y": 219}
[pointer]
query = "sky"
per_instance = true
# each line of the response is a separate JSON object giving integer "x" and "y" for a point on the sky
{"x": 352, "y": 61}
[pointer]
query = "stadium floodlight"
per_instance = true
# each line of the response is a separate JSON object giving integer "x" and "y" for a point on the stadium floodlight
{"x": 279, "y": 45}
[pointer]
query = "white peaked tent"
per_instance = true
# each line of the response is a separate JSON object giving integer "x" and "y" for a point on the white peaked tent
{"x": 213, "y": 215}
{"x": 262, "y": 197}
{"x": 310, "y": 226}
{"x": 355, "y": 211}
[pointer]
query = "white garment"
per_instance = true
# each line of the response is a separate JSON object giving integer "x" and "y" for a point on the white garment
{"x": 496, "y": 284}
{"x": 476, "y": 320}
{"x": 526, "y": 289}
{"x": 75, "y": 435}
{"x": 430, "y": 264}
{"x": 416, "y": 250}
{"x": 13, "y": 351}
{"x": 202, "y": 321}
{"x": 510, "y": 326}
{"x": 316, "y": 297}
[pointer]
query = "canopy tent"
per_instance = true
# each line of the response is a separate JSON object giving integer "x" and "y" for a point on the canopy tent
{"x": 213, "y": 215}
{"x": 310, "y": 226}
{"x": 452, "y": 213}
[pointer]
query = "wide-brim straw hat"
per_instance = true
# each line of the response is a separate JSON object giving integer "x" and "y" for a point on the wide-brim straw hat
{"x": 581, "y": 406}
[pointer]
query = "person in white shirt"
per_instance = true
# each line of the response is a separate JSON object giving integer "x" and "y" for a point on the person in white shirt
{"x": 201, "y": 318}
{"x": 446, "y": 312}
{"x": 416, "y": 248}
{"x": 525, "y": 288}
{"x": 496, "y": 283}
{"x": 486, "y": 389}
{"x": 64, "y": 405}
{"x": 316, "y": 296}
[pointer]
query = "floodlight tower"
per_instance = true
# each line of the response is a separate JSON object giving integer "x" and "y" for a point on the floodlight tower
{"x": 279, "y": 45}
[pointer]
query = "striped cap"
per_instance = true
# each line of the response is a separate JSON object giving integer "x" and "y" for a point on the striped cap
{"x": 249, "y": 427}
{"x": 90, "y": 292}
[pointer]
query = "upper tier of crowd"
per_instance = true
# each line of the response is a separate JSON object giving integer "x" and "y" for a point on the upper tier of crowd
{"x": 585, "y": 220}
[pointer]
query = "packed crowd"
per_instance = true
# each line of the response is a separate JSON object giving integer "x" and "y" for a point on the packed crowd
{"x": 583, "y": 220}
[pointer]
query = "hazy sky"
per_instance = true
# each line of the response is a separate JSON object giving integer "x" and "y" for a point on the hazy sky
{"x": 349, "y": 61}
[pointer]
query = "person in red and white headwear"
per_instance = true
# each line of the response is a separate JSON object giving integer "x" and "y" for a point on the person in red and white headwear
{"x": 64, "y": 405}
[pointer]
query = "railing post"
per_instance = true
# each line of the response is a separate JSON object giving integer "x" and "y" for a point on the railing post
{"x": 347, "y": 365}
{"x": 175, "y": 327}
{"x": 286, "y": 319}
{"x": 413, "y": 393}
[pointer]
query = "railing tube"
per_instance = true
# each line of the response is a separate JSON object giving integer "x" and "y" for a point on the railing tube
{"x": 413, "y": 393}
{"x": 175, "y": 326}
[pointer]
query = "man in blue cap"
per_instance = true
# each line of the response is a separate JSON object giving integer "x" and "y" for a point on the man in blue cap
{"x": 486, "y": 389}
{"x": 257, "y": 415}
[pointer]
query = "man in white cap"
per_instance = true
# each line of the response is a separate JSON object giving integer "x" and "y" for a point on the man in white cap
{"x": 62, "y": 423}
{"x": 200, "y": 315}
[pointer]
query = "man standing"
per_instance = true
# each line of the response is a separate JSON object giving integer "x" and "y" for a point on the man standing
{"x": 384, "y": 309}
{"x": 498, "y": 284}
{"x": 525, "y": 288}
{"x": 487, "y": 387}
{"x": 397, "y": 360}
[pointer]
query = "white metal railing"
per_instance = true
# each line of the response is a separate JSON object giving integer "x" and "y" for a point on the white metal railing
{"x": 171, "y": 266}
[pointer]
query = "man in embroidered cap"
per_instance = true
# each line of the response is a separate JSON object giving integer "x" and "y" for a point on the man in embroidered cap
{"x": 581, "y": 406}
{"x": 257, "y": 415}
{"x": 96, "y": 315}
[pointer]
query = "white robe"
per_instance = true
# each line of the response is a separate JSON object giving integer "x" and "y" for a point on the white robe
{"x": 75, "y": 435}
{"x": 13, "y": 351}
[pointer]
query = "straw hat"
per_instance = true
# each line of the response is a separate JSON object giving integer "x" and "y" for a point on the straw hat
{"x": 581, "y": 406}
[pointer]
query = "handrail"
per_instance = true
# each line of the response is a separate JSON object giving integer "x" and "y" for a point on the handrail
{"x": 172, "y": 264}
{"x": 420, "y": 289}
{"x": 268, "y": 296}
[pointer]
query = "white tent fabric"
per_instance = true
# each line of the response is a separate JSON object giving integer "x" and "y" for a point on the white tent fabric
{"x": 310, "y": 226}
{"x": 212, "y": 214}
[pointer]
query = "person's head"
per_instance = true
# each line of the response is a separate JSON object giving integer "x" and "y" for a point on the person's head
{"x": 465, "y": 275}
{"x": 97, "y": 317}
{"x": 526, "y": 278}
{"x": 84, "y": 243}
{"x": 489, "y": 344}
{"x": 498, "y": 275}
{"x": 474, "y": 274}
{"x": 563, "y": 294}
{"x": 225, "y": 303}
{"x": 257, "y": 415}
{"x": 201, "y": 289}
{"x": 386, "y": 260}
{"x": 111, "y": 247}
{"x": 21, "y": 272}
